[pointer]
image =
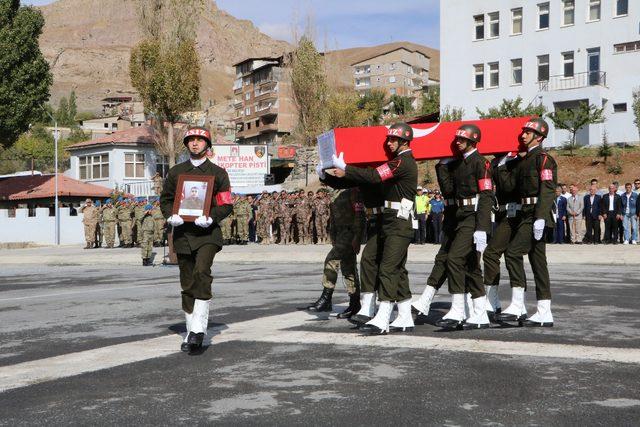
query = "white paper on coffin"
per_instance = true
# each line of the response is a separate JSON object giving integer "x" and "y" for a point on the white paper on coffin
{"x": 327, "y": 148}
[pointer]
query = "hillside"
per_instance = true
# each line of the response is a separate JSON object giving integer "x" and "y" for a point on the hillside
{"x": 88, "y": 42}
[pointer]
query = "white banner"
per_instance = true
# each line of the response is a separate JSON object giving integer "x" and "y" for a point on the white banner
{"x": 246, "y": 164}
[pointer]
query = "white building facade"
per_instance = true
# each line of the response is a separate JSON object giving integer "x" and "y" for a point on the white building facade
{"x": 554, "y": 52}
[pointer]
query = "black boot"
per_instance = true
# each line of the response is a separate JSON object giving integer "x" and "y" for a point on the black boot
{"x": 195, "y": 343}
{"x": 185, "y": 344}
{"x": 324, "y": 302}
{"x": 354, "y": 306}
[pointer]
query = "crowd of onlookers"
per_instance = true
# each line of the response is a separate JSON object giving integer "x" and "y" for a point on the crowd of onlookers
{"x": 597, "y": 216}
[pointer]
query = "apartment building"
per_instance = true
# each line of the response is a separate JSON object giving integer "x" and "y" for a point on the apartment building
{"x": 557, "y": 53}
{"x": 397, "y": 71}
{"x": 263, "y": 101}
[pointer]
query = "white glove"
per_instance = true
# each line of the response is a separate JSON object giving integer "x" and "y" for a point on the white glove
{"x": 320, "y": 171}
{"x": 446, "y": 160}
{"x": 538, "y": 228}
{"x": 508, "y": 157}
{"x": 203, "y": 221}
{"x": 338, "y": 161}
{"x": 480, "y": 240}
{"x": 175, "y": 220}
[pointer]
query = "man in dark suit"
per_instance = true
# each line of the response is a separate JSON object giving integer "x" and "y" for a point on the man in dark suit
{"x": 196, "y": 243}
{"x": 592, "y": 215}
{"x": 611, "y": 208}
{"x": 560, "y": 214}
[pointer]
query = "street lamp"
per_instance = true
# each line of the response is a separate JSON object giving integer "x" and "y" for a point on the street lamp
{"x": 56, "y": 209}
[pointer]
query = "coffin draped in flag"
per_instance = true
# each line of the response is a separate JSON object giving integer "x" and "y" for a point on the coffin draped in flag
{"x": 365, "y": 145}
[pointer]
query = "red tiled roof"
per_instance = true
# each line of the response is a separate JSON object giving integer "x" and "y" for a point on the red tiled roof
{"x": 137, "y": 135}
{"x": 43, "y": 186}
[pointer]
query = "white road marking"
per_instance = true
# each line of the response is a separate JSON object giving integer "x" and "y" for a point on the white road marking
{"x": 273, "y": 329}
{"x": 86, "y": 291}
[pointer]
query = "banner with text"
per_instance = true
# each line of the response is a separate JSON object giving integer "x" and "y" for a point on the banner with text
{"x": 245, "y": 164}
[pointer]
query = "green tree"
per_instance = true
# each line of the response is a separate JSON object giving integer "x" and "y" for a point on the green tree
{"x": 25, "y": 76}
{"x": 605, "y": 150}
{"x": 449, "y": 114}
{"x": 635, "y": 106}
{"x": 165, "y": 67}
{"x": 373, "y": 103}
{"x": 574, "y": 119}
{"x": 36, "y": 147}
{"x": 342, "y": 110}
{"x": 72, "y": 109}
{"x": 62, "y": 114}
{"x": 430, "y": 101}
{"x": 309, "y": 84}
{"x": 512, "y": 108}
{"x": 401, "y": 105}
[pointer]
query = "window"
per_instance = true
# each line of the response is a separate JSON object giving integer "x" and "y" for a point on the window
{"x": 620, "y": 108}
{"x": 94, "y": 167}
{"x": 543, "y": 68}
{"x": 543, "y": 16}
{"x": 516, "y": 71}
{"x": 494, "y": 74}
{"x": 114, "y": 126}
{"x": 494, "y": 24}
{"x": 567, "y": 63}
{"x": 133, "y": 165}
{"x": 392, "y": 66}
{"x": 627, "y": 47}
{"x": 622, "y": 7}
{"x": 568, "y": 9}
{"x": 162, "y": 165}
{"x": 478, "y": 71}
{"x": 392, "y": 91}
{"x": 479, "y": 24}
{"x": 247, "y": 96}
{"x": 247, "y": 111}
{"x": 594, "y": 10}
{"x": 106, "y": 125}
{"x": 258, "y": 123}
{"x": 248, "y": 125}
{"x": 516, "y": 21}
{"x": 392, "y": 79}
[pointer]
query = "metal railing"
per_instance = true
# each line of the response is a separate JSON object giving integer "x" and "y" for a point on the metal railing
{"x": 577, "y": 81}
{"x": 140, "y": 188}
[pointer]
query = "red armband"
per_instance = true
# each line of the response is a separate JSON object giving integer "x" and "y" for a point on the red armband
{"x": 385, "y": 172}
{"x": 224, "y": 198}
{"x": 485, "y": 184}
{"x": 546, "y": 175}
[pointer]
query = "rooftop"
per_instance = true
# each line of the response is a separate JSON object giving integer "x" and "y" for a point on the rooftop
{"x": 138, "y": 135}
{"x": 43, "y": 186}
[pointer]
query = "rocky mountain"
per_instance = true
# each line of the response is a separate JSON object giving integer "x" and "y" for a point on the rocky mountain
{"x": 88, "y": 43}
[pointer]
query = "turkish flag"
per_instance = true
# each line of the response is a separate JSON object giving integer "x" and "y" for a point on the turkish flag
{"x": 366, "y": 145}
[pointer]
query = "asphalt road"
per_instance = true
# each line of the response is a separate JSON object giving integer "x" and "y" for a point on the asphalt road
{"x": 100, "y": 345}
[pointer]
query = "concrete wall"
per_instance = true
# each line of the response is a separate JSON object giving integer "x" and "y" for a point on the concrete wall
{"x": 41, "y": 228}
{"x": 459, "y": 52}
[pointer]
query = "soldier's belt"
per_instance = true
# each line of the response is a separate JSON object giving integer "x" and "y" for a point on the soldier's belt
{"x": 505, "y": 207}
{"x": 529, "y": 200}
{"x": 375, "y": 211}
{"x": 449, "y": 202}
{"x": 392, "y": 205}
{"x": 467, "y": 202}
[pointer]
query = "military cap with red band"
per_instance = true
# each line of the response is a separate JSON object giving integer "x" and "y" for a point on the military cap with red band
{"x": 197, "y": 131}
{"x": 537, "y": 125}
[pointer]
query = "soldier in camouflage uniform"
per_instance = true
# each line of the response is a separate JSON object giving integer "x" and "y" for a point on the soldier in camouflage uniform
{"x": 286, "y": 218}
{"x": 159, "y": 221}
{"x": 243, "y": 210}
{"x": 347, "y": 224}
{"x": 124, "y": 220}
{"x": 99, "y": 226}
{"x": 225, "y": 226}
{"x": 263, "y": 220}
{"x": 157, "y": 184}
{"x": 276, "y": 215}
{"x": 303, "y": 214}
{"x": 90, "y": 221}
{"x": 138, "y": 214}
{"x": 109, "y": 218}
{"x": 147, "y": 229}
{"x": 321, "y": 207}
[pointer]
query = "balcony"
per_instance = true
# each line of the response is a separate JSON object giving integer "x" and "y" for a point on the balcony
{"x": 265, "y": 128}
{"x": 266, "y": 110}
{"x": 579, "y": 80}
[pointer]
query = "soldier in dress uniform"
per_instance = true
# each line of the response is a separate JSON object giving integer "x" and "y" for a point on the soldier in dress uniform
{"x": 474, "y": 197}
{"x": 399, "y": 179}
{"x": 347, "y": 223}
{"x": 536, "y": 177}
{"x": 196, "y": 243}
{"x": 90, "y": 220}
{"x": 147, "y": 228}
{"x": 109, "y": 219}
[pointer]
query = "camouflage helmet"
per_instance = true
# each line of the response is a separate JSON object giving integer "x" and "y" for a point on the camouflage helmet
{"x": 538, "y": 125}
{"x": 197, "y": 131}
{"x": 400, "y": 130}
{"x": 470, "y": 132}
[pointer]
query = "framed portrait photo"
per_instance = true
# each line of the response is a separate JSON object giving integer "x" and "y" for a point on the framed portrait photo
{"x": 193, "y": 196}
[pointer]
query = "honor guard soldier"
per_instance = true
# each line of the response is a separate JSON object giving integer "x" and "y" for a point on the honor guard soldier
{"x": 474, "y": 194}
{"x": 536, "y": 178}
{"x": 399, "y": 179}
{"x": 196, "y": 243}
{"x": 360, "y": 312}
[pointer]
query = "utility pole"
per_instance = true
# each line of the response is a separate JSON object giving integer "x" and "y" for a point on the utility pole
{"x": 56, "y": 208}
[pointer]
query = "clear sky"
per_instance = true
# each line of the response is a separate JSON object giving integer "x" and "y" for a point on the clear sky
{"x": 340, "y": 24}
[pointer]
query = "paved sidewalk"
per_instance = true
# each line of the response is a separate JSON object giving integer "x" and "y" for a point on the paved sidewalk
{"x": 75, "y": 255}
